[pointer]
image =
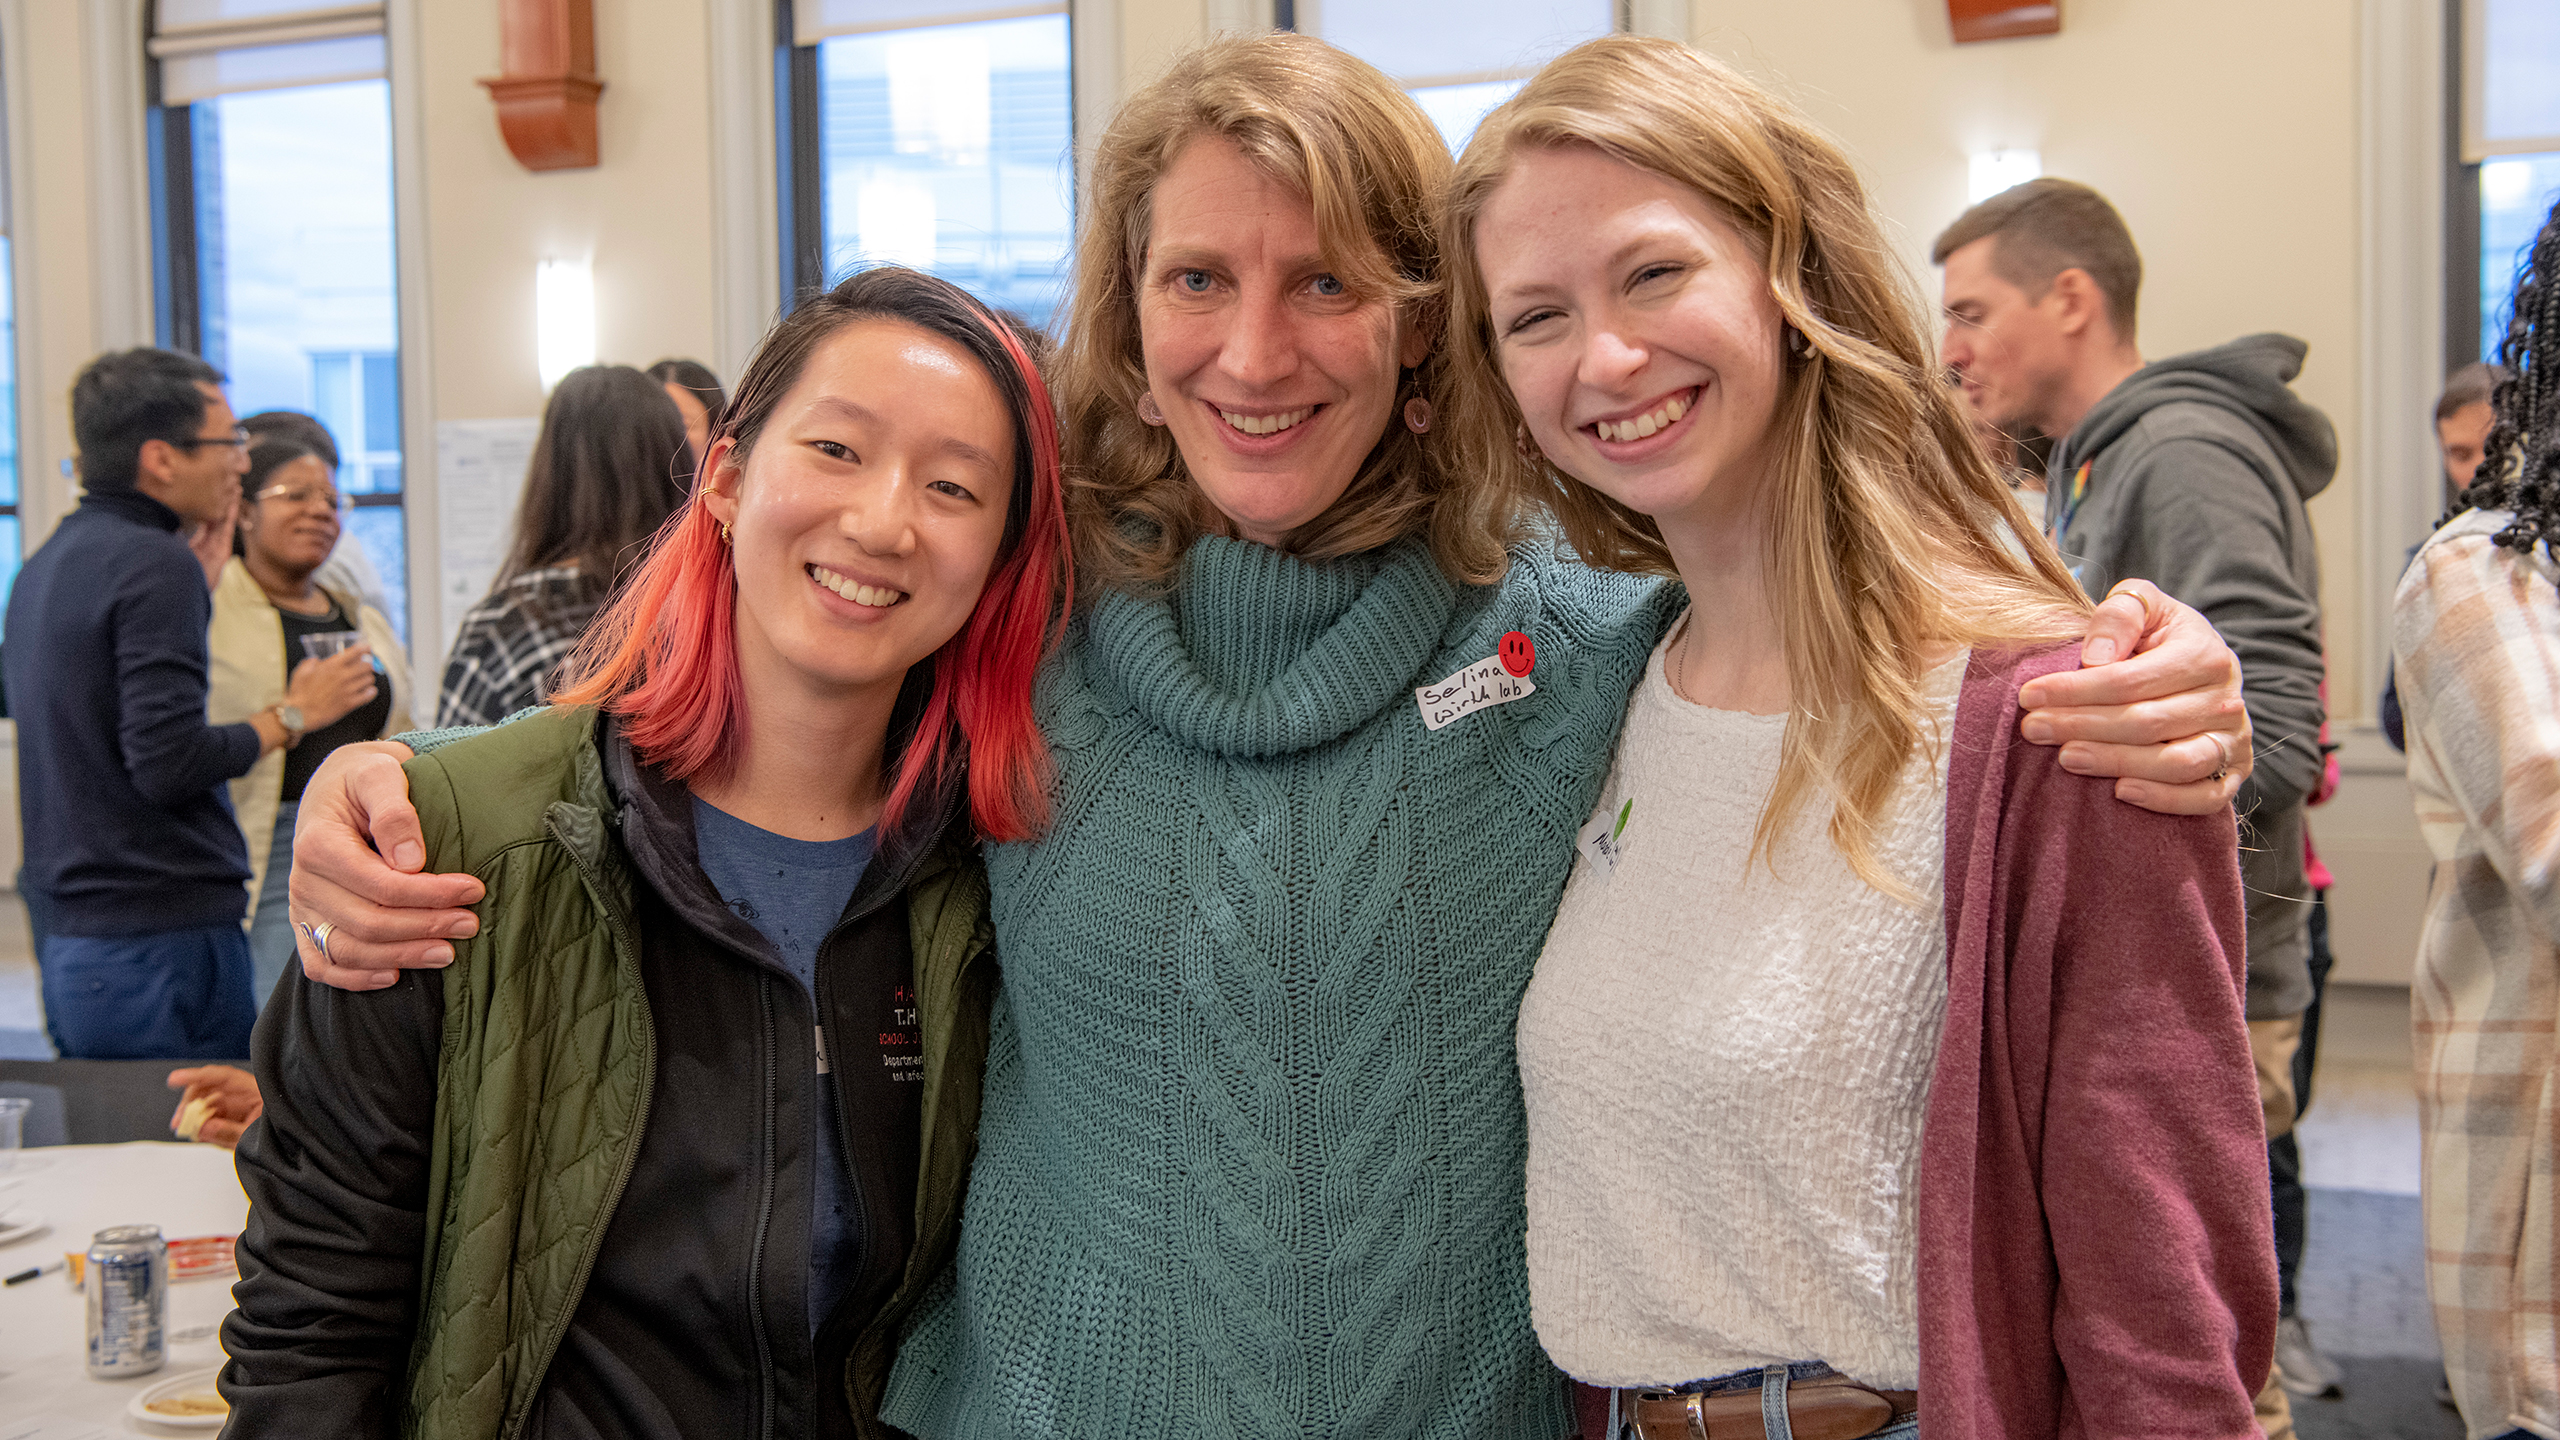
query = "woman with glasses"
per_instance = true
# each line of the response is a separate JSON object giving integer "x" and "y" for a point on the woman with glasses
{"x": 348, "y": 568}
{"x": 322, "y": 659}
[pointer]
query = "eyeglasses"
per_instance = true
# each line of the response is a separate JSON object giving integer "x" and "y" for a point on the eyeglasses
{"x": 303, "y": 495}
{"x": 240, "y": 438}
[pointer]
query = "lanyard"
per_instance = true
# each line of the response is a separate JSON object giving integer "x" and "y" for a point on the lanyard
{"x": 2058, "y": 519}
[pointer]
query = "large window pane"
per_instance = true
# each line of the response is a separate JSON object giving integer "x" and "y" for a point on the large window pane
{"x": 2519, "y": 60}
{"x": 1427, "y": 40}
{"x": 1458, "y": 58}
{"x": 1458, "y": 109}
{"x": 384, "y": 530}
{"x": 2516, "y": 195}
{"x": 948, "y": 148}
{"x": 297, "y": 277}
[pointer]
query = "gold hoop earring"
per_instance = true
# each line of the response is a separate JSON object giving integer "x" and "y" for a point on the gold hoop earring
{"x": 724, "y": 534}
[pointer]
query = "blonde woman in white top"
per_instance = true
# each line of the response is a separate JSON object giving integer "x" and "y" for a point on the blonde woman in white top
{"x": 1877, "y": 1066}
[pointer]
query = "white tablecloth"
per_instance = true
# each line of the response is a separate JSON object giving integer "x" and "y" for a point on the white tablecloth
{"x": 45, "y": 1389}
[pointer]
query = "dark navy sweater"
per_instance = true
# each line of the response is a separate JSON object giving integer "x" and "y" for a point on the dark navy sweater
{"x": 120, "y": 779}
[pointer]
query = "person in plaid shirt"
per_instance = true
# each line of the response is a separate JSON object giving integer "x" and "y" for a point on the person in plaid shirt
{"x": 609, "y": 468}
{"x": 2476, "y": 637}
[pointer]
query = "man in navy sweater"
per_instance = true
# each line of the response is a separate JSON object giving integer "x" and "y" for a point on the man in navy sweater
{"x": 129, "y": 831}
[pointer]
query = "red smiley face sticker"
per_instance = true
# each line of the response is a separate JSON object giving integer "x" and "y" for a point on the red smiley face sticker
{"x": 1518, "y": 652}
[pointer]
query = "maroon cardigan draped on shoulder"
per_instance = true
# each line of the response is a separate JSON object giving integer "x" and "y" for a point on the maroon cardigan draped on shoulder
{"x": 2097, "y": 1255}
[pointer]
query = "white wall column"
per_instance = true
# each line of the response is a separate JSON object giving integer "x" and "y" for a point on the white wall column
{"x": 2401, "y": 268}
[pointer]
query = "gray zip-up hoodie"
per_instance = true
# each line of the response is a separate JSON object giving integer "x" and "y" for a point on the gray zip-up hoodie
{"x": 2199, "y": 467}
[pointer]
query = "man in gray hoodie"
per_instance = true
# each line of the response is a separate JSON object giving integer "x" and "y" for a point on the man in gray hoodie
{"x": 2189, "y": 472}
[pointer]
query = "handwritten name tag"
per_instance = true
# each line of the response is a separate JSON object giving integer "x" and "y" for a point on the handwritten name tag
{"x": 1480, "y": 686}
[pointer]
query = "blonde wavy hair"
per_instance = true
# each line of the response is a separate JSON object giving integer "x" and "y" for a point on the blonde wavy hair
{"x": 1370, "y": 163}
{"x": 1886, "y": 526}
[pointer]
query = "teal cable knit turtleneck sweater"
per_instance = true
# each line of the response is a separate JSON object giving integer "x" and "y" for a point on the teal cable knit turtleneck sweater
{"x": 1250, "y": 1162}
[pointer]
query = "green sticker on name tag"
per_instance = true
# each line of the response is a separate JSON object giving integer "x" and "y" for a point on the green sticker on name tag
{"x": 1603, "y": 841}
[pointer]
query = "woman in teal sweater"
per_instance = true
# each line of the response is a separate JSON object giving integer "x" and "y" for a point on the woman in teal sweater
{"x": 1249, "y": 1161}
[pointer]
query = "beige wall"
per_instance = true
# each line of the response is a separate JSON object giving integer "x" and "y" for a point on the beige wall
{"x": 1152, "y": 32}
{"x": 2226, "y": 134}
{"x": 642, "y": 216}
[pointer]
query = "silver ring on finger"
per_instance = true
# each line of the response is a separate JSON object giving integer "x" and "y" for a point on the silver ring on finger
{"x": 2222, "y": 752}
{"x": 320, "y": 939}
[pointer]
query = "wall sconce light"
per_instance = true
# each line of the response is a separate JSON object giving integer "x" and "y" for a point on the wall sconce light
{"x": 564, "y": 318}
{"x": 547, "y": 99}
{"x": 1993, "y": 171}
{"x": 2001, "y": 19}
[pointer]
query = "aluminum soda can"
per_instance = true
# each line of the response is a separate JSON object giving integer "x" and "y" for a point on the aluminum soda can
{"x": 127, "y": 1279}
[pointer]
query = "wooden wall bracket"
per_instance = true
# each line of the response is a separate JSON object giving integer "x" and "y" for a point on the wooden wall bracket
{"x": 547, "y": 98}
{"x": 2003, "y": 19}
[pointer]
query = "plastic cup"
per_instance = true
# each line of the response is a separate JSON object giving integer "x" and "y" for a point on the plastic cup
{"x": 13, "y": 1130}
{"x": 322, "y": 646}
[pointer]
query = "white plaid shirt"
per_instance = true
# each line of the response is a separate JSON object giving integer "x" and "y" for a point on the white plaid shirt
{"x": 2477, "y": 640}
{"x": 512, "y": 645}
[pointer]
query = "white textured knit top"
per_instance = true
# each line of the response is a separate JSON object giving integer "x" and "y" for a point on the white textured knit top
{"x": 1726, "y": 1068}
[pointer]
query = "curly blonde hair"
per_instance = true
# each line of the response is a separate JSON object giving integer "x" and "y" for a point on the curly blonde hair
{"x": 1370, "y": 163}
{"x": 1887, "y": 519}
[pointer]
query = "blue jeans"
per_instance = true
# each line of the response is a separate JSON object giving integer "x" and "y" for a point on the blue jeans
{"x": 177, "y": 995}
{"x": 271, "y": 950}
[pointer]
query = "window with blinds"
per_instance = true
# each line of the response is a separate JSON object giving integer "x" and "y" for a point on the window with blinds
{"x": 272, "y": 238}
{"x": 936, "y": 135}
{"x": 1459, "y": 58}
{"x": 207, "y": 48}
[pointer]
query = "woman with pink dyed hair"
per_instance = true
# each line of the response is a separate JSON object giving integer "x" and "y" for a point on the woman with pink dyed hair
{"x": 738, "y": 853}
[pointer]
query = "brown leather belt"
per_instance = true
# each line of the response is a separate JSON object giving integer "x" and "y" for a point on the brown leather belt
{"x": 1831, "y": 1407}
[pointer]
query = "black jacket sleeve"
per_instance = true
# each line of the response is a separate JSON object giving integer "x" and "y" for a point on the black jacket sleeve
{"x": 336, "y": 1171}
{"x": 171, "y": 753}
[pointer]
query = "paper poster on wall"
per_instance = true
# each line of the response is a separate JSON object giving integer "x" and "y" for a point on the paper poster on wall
{"x": 480, "y": 467}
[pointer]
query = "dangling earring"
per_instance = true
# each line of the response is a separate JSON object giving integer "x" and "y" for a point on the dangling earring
{"x": 1417, "y": 408}
{"x": 1147, "y": 410}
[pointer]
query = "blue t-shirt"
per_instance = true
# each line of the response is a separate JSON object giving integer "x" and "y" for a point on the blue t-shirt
{"x": 793, "y": 892}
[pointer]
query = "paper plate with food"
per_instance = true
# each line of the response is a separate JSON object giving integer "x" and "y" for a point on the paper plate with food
{"x": 187, "y": 1401}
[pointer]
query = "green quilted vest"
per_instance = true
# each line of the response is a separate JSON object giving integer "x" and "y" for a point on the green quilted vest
{"x": 548, "y": 1057}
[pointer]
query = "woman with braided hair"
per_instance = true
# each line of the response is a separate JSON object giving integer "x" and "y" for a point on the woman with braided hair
{"x": 2477, "y": 643}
